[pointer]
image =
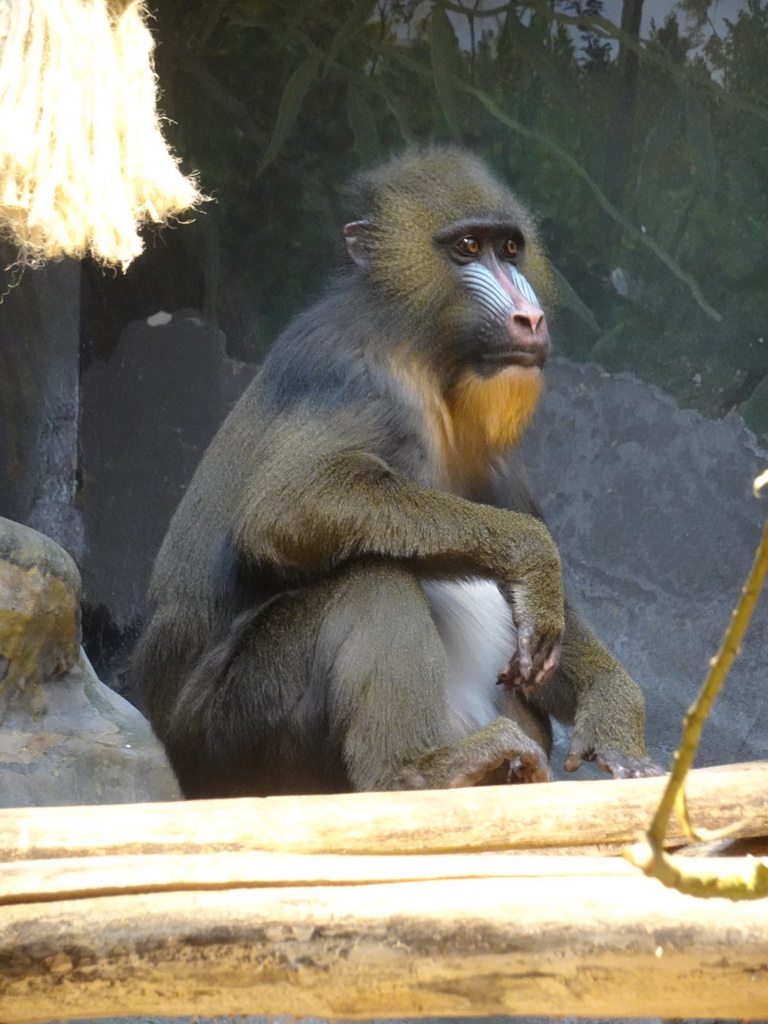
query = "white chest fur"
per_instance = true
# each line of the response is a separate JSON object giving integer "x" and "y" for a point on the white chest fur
{"x": 475, "y": 624}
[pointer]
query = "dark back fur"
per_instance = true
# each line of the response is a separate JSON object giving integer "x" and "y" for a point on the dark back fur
{"x": 325, "y": 386}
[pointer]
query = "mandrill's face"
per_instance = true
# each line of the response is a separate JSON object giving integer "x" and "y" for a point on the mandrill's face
{"x": 506, "y": 330}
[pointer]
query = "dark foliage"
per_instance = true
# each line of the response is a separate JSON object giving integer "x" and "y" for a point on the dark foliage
{"x": 274, "y": 102}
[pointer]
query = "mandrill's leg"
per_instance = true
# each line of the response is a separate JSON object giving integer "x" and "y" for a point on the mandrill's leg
{"x": 388, "y": 707}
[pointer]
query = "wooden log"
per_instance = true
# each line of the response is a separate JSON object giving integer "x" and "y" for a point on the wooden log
{"x": 345, "y": 907}
{"x": 62, "y": 878}
{"x": 490, "y": 818}
{"x": 65, "y": 878}
{"x": 560, "y": 939}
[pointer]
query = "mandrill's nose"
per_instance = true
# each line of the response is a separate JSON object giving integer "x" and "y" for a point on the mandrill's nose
{"x": 527, "y": 333}
{"x": 529, "y": 317}
{"x": 526, "y": 322}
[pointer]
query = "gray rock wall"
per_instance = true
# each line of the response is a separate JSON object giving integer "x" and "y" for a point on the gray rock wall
{"x": 653, "y": 510}
{"x": 39, "y": 390}
{"x": 148, "y": 413}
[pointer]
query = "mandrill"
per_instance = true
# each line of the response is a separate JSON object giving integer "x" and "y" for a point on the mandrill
{"x": 358, "y": 561}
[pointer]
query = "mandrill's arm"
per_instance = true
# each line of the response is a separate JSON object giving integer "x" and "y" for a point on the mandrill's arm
{"x": 591, "y": 690}
{"x": 322, "y": 509}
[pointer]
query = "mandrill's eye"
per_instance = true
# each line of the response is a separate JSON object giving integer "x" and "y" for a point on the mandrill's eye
{"x": 468, "y": 246}
{"x": 510, "y": 248}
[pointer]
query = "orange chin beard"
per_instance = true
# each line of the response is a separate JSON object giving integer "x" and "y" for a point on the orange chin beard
{"x": 490, "y": 414}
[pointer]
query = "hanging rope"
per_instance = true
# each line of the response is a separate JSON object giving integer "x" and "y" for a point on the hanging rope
{"x": 83, "y": 162}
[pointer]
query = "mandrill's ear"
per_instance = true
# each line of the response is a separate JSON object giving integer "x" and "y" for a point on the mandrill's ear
{"x": 357, "y": 237}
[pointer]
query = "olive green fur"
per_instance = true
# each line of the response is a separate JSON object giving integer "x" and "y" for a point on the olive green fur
{"x": 410, "y": 198}
{"x": 290, "y": 647}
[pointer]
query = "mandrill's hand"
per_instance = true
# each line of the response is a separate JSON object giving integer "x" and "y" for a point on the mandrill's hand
{"x": 586, "y": 747}
{"x": 513, "y": 677}
{"x": 537, "y": 611}
{"x": 607, "y": 710}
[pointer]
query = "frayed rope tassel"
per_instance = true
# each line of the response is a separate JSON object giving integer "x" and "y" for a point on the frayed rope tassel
{"x": 83, "y": 162}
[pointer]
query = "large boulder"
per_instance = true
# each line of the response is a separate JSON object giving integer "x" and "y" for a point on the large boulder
{"x": 39, "y": 609}
{"x": 65, "y": 738}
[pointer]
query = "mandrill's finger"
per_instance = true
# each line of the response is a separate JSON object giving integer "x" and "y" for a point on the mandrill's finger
{"x": 530, "y": 666}
{"x": 524, "y": 655}
{"x": 511, "y": 678}
{"x": 510, "y": 673}
{"x": 544, "y": 666}
{"x": 577, "y": 752}
{"x": 626, "y": 767}
{"x": 552, "y": 661}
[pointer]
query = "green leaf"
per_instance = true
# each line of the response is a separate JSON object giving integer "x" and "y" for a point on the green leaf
{"x": 664, "y": 132}
{"x": 629, "y": 229}
{"x": 360, "y": 15}
{"x": 400, "y": 115}
{"x": 571, "y": 301}
{"x": 290, "y": 106}
{"x": 363, "y": 125}
{"x": 444, "y": 50}
{"x": 701, "y": 140}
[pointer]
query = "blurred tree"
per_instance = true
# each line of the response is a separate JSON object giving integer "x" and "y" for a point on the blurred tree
{"x": 618, "y": 155}
{"x": 643, "y": 152}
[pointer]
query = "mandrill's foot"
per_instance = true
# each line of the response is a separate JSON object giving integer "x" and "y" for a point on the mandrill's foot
{"x": 498, "y": 754}
{"x": 529, "y": 768}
